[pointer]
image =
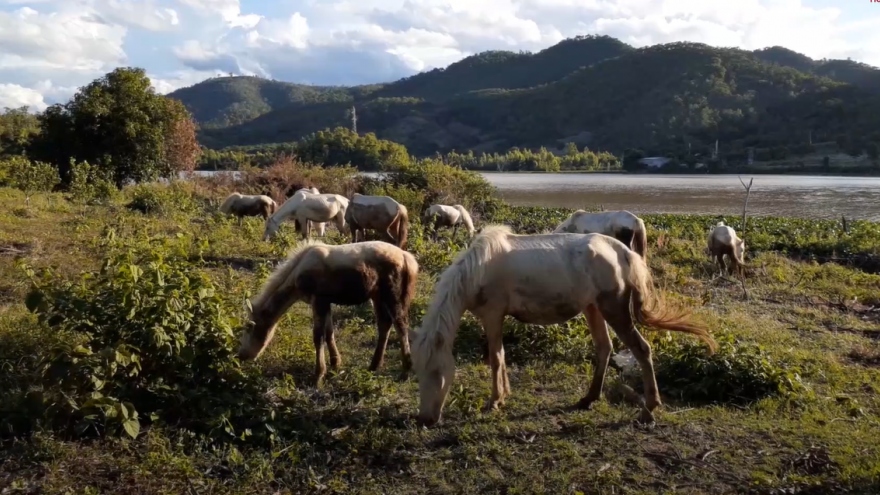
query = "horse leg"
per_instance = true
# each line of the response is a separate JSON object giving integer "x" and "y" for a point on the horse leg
{"x": 320, "y": 315}
{"x": 383, "y": 323}
{"x": 330, "y": 339}
{"x": 604, "y": 348}
{"x": 493, "y": 327}
{"x": 719, "y": 258}
{"x": 454, "y": 230}
{"x": 616, "y": 312}
{"x": 401, "y": 325}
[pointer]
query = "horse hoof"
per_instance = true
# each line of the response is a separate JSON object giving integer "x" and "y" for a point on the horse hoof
{"x": 403, "y": 377}
{"x": 426, "y": 422}
{"x": 584, "y": 404}
{"x": 492, "y": 405}
{"x": 646, "y": 417}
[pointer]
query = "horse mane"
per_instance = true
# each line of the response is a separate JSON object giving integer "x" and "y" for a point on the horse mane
{"x": 282, "y": 272}
{"x": 466, "y": 218}
{"x": 457, "y": 285}
{"x": 229, "y": 201}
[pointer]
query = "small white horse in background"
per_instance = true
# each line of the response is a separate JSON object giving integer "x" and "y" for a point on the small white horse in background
{"x": 320, "y": 226}
{"x": 306, "y": 206}
{"x": 380, "y": 213}
{"x": 723, "y": 241}
{"x": 621, "y": 225}
{"x": 449, "y": 216}
{"x": 245, "y": 205}
{"x": 542, "y": 279}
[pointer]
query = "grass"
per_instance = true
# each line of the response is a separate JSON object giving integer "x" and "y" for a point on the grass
{"x": 809, "y": 322}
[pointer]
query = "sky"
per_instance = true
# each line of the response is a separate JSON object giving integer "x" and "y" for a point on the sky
{"x": 50, "y": 48}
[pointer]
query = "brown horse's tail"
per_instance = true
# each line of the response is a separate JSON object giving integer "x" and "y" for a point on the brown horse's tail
{"x": 408, "y": 279}
{"x": 650, "y": 310}
{"x": 402, "y": 227}
{"x": 640, "y": 240}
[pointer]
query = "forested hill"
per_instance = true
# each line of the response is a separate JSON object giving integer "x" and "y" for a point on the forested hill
{"x": 594, "y": 91}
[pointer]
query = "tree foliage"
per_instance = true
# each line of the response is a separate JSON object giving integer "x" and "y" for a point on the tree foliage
{"x": 30, "y": 176}
{"x": 17, "y": 128}
{"x": 119, "y": 123}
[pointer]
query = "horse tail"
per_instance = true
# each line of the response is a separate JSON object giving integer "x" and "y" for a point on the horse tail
{"x": 640, "y": 239}
{"x": 466, "y": 218}
{"x": 273, "y": 207}
{"x": 649, "y": 309}
{"x": 402, "y": 226}
{"x": 409, "y": 278}
{"x": 228, "y": 202}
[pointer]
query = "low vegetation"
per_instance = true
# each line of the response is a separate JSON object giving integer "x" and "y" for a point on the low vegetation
{"x": 119, "y": 320}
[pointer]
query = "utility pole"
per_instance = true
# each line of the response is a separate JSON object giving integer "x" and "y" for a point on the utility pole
{"x": 354, "y": 120}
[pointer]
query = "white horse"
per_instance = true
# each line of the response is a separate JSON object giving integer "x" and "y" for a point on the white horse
{"x": 322, "y": 225}
{"x": 622, "y": 225}
{"x": 380, "y": 213}
{"x": 449, "y": 216}
{"x": 244, "y": 205}
{"x": 318, "y": 208}
{"x": 542, "y": 279}
{"x": 722, "y": 241}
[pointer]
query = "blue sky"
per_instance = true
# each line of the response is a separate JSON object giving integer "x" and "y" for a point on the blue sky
{"x": 49, "y": 48}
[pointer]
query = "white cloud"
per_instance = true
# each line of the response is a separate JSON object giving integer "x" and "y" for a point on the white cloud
{"x": 71, "y": 42}
{"x": 15, "y": 96}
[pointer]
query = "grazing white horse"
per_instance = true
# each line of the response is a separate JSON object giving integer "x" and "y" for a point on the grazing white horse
{"x": 307, "y": 206}
{"x": 622, "y": 225}
{"x": 380, "y": 213}
{"x": 542, "y": 279}
{"x": 320, "y": 225}
{"x": 244, "y": 205}
{"x": 723, "y": 241}
{"x": 449, "y": 216}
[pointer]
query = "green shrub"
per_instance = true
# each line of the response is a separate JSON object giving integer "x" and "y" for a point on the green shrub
{"x": 31, "y": 177}
{"x": 148, "y": 340}
{"x": 164, "y": 199}
{"x": 90, "y": 184}
{"x": 739, "y": 373}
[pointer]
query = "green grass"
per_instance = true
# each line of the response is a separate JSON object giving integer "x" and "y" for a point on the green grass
{"x": 808, "y": 322}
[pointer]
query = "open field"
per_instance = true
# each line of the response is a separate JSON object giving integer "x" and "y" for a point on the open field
{"x": 789, "y": 405}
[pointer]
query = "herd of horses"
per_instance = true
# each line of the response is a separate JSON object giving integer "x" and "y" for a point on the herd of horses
{"x": 592, "y": 264}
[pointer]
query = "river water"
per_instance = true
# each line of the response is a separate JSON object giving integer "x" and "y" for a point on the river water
{"x": 780, "y": 195}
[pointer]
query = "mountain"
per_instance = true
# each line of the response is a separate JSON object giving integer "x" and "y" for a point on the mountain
{"x": 856, "y": 73}
{"x": 593, "y": 90}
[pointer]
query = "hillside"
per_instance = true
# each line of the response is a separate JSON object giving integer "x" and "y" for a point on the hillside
{"x": 226, "y": 101}
{"x": 594, "y": 91}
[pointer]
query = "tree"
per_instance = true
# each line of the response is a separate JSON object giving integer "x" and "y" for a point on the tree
{"x": 31, "y": 177}
{"x": 119, "y": 123}
{"x": 17, "y": 128}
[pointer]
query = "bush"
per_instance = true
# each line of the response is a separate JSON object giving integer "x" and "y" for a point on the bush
{"x": 90, "y": 184}
{"x": 738, "y": 373}
{"x": 441, "y": 183}
{"x": 149, "y": 340}
{"x": 164, "y": 199}
{"x": 31, "y": 177}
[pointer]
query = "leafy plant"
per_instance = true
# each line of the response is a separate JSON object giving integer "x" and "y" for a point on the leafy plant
{"x": 31, "y": 177}
{"x": 90, "y": 184}
{"x": 148, "y": 340}
{"x": 738, "y": 373}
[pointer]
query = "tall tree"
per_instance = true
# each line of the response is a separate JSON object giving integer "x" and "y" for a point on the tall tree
{"x": 119, "y": 123}
{"x": 17, "y": 128}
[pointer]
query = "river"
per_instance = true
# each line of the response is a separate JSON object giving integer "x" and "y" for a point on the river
{"x": 780, "y": 195}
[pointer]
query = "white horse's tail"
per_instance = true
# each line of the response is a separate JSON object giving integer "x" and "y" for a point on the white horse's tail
{"x": 650, "y": 310}
{"x": 458, "y": 285}
{"x": 640, "y": 239}
{"x": 466, "y": 218}
{"x": 228, "y": 202}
